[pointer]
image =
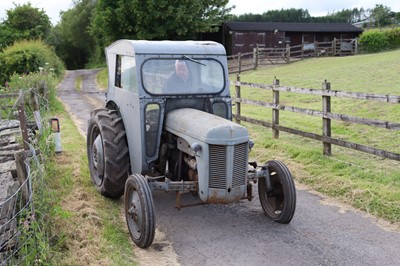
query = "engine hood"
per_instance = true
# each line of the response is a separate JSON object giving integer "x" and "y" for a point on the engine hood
{"x": 205, "y": 127}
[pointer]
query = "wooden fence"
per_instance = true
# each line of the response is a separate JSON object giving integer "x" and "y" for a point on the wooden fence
{"x": 327, "y": 116}
{"x": 284, "y": 55}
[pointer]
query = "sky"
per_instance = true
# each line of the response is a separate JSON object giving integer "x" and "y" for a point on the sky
{"x": 314, "y": 7}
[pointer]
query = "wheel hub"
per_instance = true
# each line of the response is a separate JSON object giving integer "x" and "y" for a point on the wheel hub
{"x": 98, "y": 158}
{"x": 133, "y": 212}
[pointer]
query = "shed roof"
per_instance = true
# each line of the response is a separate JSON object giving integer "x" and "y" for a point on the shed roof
{"x": 292, "y": 26}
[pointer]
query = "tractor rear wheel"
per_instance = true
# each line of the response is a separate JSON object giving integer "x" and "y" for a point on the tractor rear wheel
{"x": 139, "y": 210}
{"x": 279, "y": 202}
{"x": 108, "y": 153}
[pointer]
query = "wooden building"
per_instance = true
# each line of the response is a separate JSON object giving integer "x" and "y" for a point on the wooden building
{"x": 242, "y": 37}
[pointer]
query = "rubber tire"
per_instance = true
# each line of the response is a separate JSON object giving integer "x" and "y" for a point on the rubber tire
{"x": 279, "y": 208}
{"x": 111, "y": 178}
{"x": 139, "y": 200}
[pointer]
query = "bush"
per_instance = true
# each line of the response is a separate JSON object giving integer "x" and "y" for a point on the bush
{"x": 393, "y": 37}
{"x": 26, "y": 57}
{"x": 374, "y": 41}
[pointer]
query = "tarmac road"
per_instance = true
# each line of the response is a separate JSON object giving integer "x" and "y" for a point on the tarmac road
{"x": 322, "y": 232}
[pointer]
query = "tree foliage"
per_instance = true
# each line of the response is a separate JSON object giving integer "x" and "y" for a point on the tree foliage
{"x": 381, "y": 15}
{"x": 283, "y": 15}
{"x": 302, "y": 15}
{"x": 156, "y": 19}
{"x": 24, "y": 22}
{"x": 348, "y": 15}
{"x": 24, "y": 57}
{"x": 71, "y": 37}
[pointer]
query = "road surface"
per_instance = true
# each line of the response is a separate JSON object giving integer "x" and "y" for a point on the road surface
{"x": 322, "y": 232}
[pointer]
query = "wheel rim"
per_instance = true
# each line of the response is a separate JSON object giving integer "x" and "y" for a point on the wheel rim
{"x": 97, "y": 159}
{"x": 275, "y": 199}
{"x": 134, "y": 213}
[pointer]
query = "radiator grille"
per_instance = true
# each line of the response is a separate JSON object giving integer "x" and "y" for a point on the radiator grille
{"x": 239, "y": 165}
{"x": 218, "y": 166}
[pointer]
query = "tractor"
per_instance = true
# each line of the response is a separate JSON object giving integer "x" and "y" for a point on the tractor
{"x": 167, "y": 125}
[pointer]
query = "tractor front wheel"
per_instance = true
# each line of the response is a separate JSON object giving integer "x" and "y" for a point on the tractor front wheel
{"x": 139, "y": 210}
{"x": 278, "y": 201}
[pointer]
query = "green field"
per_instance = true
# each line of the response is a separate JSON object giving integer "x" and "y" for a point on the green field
{"x": 367, "y": 182}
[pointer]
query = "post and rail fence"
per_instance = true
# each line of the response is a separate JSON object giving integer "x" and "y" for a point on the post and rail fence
{"x": 327, "y": 116}
{"x": 284, "y": 55}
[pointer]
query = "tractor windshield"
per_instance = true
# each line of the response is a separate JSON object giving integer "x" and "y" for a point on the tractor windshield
{"x": 182, "y": 76}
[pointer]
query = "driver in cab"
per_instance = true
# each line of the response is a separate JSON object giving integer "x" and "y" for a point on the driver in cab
{"x": 180, "y": 79}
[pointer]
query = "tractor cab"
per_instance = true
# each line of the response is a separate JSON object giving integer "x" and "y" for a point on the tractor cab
{"x": 147, "y": 79}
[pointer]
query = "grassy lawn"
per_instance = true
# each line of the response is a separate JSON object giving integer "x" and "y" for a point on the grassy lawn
{"x": 367, "y": 182}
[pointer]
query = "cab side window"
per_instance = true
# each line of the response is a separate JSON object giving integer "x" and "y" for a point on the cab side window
{"x": 118, "y": 72}
{"x": 125, "y": 73}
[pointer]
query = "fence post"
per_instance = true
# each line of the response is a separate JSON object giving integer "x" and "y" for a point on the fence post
{"x": 315, "y": 48}
{"x": 326, "y": 122}
{"x": 237, "y": 102}
{"x": 24, "y": 129}
{"x": 240, "y": 62}
{"x": 287, "y": 55}
{"x": 275, "y": 110}
{"x": 334, "y": 47}
{"x": 355, "y": 46}
{"x": 22, "y": 174}
{"x": 255, "y": 55}
{"x": 302, "y": 51}
{"x": 34, "y": 99}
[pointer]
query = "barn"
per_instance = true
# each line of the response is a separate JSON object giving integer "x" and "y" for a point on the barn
{"x": 243, "y": 37}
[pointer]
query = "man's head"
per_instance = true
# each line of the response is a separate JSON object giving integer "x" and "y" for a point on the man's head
{"x": 181, "y": 70}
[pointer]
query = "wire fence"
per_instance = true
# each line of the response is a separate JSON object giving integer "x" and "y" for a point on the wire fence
{"x": 20, "y": 166}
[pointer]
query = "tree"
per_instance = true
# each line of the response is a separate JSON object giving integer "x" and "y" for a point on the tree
{"x": 156, "y": 19}
{"x": 348, "y": 15}
{"x": 71, "y": 37}
{"x": 382, "y": 15}
{"x": 283, "y": 15}
{"x": 24, "y": 22}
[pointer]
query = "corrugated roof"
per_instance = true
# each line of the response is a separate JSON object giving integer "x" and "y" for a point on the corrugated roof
{"x": 292, "y": 26}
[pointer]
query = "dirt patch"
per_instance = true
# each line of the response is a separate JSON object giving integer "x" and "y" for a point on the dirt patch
{"x": 159, "y": 253}
{"x": 84, "y": 238}
{"x": 82, "y": 227}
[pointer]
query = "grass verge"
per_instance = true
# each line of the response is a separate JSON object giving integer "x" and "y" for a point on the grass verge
{"x": 93, "y": 229}
{"x": 78, "y": 83}
{"x": 102, "y": 79}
